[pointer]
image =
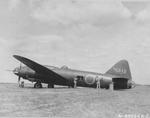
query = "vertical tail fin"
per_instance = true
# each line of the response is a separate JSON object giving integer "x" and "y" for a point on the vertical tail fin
{"x": 120, "y": 70}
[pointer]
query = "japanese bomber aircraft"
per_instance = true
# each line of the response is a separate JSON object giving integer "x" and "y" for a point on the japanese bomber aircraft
{"x": 119, "y": 75}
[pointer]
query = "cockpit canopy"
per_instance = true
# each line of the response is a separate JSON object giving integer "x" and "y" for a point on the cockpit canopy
{"x": 64, "y": 67}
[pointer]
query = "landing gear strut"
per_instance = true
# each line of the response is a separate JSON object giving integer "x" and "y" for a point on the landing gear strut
{"x": 37, "y": 85}
{"x": 50, "y": 85}
{"x": 21, "y": 84}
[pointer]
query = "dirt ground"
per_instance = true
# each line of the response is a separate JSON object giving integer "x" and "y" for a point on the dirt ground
{"x": 74, "y": 103}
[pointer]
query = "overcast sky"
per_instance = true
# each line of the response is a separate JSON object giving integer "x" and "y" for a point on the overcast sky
{"x": 88, "y": 35}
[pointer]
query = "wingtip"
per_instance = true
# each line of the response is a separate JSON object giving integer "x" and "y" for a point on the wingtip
{"x": 15, "y": 56}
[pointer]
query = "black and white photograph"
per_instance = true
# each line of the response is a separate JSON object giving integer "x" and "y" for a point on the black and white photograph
{"x": 75, "y": 58}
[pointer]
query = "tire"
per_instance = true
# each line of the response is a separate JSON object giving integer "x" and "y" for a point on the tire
{"x": 37, "y": 85}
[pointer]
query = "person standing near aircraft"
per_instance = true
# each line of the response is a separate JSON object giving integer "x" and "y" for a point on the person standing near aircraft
{"x": 75, "y": 82}
{"x": 98, "y": 82}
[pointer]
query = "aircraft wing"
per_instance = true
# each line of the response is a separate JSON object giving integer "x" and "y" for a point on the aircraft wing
{"x": 42, "y": 70}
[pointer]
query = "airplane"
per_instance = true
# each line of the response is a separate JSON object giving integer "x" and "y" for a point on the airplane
{"x": 119, "y": 75}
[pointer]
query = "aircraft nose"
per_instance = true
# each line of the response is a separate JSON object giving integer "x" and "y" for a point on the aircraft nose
{"x": 16, "y": 70}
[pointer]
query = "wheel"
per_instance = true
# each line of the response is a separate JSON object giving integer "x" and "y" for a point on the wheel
{"x": 50, "y": 85}
{"x": 37, "y": 85}
{"x": 107, "y": 87}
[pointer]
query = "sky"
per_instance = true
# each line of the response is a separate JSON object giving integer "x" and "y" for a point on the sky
{"x": 87, "y": 35}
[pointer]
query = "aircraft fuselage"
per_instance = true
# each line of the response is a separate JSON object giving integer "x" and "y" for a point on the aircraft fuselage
{"x": 85, "y": 78}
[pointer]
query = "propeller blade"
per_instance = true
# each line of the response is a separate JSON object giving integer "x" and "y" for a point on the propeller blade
{"x": 8, "y": 70}
{"x": 20, "y": 65}
{"x": 20, "y": 68}
{"x": 19, "y": 79}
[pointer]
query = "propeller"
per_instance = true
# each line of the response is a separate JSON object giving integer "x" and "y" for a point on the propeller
{"x": 17, "y": 71}
{"x": 19, "y": 77}
{"x": 20, "y": 66}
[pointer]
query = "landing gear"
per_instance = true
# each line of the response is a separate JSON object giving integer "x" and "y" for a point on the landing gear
{"x": 50, "y": 85}
{"x": 22, "y": 84}
{"x": 70, "y": 84}
{"x": 37, "y": 85}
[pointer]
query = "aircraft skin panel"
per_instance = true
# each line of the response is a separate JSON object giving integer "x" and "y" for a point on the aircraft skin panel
{"x": 68, "y": 74}
{"x": 71, "y": 74}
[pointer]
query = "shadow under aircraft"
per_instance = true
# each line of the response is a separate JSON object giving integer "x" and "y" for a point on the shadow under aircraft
{"x": 119, "y": 75}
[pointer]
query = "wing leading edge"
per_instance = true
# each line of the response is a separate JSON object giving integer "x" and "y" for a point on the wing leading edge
{"x": 42, "y": 70}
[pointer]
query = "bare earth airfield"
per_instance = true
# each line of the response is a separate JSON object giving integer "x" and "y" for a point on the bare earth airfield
{"x": 69, "y": 102}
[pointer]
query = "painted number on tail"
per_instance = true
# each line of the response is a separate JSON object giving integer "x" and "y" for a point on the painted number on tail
{"x": 120, "y": 70}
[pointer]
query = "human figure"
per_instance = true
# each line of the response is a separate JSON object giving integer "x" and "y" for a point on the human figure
{"x": 98, "y": 82}
{"x": 75, "y": 82}
{"x": 111, "y": 86}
